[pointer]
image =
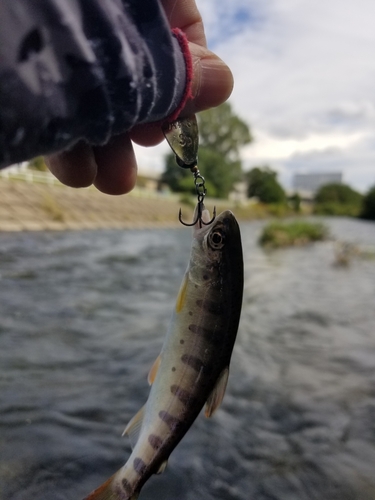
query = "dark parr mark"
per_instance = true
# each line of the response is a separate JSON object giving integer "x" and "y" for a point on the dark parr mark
{"x": 139, "y": 466}
{"x": 127, "y": 486}
{"x": 199, "y": 330}
{"x": 155, "y": 441}
{"x": 182, "y": 341}
{"x": 195, "y": 363}
{"x": 169, "y": 419}
{"x": 210, "y": 306}
{"x": 184, "y": 396}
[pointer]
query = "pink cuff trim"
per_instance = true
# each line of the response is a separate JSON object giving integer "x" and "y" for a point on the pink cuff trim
{"x": 184, "y": 44}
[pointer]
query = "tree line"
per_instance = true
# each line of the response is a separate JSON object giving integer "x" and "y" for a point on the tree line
{"x": 222, "y": 134}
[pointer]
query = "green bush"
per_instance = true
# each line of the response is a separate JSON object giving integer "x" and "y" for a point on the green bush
{"x": 295, "y": 202}
{"x": 278, "y": 209}
{"x": 263, "y": 184}
{"x": 333, "y": 208}
{"x": 38, "y": 163}
{"x": 368, "y": 208}
{"x": 338, "y": 199}
{"x": 277, "y": 234}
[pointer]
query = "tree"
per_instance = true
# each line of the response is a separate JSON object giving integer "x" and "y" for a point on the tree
{"x": 295, "y": 202}
{"x": 220, "y": 130}
{"x": 338, "y": 193}
{"x": 263, "y": 183}
{"x": 221, "y": 136}
{"x": 175, "y": 176}
{"x": 368, "y": 209}
{"x": 337, "y": 199}
{"x": 38, "y": 164}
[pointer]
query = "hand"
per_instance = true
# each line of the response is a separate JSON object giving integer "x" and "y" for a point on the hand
{"x": 112, "y": 168}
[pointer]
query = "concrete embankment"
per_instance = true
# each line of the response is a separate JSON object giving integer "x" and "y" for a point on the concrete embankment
{"x": 37, "y": 207}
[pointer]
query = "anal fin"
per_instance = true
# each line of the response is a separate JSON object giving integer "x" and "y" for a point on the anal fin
{"x": 216, "y": 397}
{"x": 162, "y": 467}
{"x": 108, "y": 491}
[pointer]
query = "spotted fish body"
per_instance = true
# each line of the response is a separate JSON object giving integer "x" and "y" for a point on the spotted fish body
{"x": 192, "y": 369}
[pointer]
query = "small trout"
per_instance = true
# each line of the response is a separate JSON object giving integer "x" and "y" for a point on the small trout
{"x": 192, "y": 369}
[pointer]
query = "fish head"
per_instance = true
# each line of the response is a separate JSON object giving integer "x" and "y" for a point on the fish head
{"x": 220, "y": 240}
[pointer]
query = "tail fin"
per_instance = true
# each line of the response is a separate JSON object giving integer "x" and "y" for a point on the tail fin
{"x": 111, "y": 491}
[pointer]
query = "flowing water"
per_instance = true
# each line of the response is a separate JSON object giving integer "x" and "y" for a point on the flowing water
{"x": 82, "y": 318}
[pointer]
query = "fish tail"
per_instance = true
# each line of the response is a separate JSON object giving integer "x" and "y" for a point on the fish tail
{"x": 112, "y": 490}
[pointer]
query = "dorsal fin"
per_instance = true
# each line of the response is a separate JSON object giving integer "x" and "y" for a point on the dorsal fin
{"x": 154, "y": 370}
{"x": 134, "y": 426}
{"x": 216, "y": 397}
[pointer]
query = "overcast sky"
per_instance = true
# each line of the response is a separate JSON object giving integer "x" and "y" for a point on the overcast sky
{"x": 304, "y": 81}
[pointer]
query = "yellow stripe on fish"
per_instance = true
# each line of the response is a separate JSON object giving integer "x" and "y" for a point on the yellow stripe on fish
{"x": 181, "y": 295}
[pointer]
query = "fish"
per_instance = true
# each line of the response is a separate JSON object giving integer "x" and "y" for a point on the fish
{"x": 193, "y": 367}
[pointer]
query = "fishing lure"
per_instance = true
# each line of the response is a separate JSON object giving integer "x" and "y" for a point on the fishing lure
{"x": 193, "y": 366}
{"x": 183, "y": 138}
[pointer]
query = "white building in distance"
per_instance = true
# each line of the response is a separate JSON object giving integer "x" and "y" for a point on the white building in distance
{"x": 310, "y": 183}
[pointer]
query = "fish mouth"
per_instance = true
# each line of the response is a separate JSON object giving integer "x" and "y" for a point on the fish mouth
{"x": 226, "y": 218}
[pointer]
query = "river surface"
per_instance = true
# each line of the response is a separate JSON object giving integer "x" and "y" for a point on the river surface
{"x": 82, "y": 318}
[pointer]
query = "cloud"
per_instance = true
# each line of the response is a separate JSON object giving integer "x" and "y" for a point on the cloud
{"x": 304, "y": 80}
{"x": 269, "y": 147}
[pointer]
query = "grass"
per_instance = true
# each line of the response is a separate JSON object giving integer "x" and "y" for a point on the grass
{"x": 296, "y": 233}
{"x": 340, "y": 209}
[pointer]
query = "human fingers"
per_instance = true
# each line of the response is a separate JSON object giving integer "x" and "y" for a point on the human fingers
{"x": 112, "y": 168}
{"x": 147, "y": 135}
{"x": 212, "y": 85}
{"x": 212, "y": 80}
{"x": 75, "y": 167}
{"x": 184, "y": 14}
{"x": 116, "y": 166}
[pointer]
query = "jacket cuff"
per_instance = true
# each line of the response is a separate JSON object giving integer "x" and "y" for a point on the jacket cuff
{"x": 182, "y": 40}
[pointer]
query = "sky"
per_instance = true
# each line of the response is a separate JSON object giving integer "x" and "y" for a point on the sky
{"x": 304, "y": 75}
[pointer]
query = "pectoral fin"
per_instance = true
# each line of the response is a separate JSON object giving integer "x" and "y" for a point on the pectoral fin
{"x": 216, "y": 397}
{"x": 134, "y": 426}
{"x": 154, "y": 370}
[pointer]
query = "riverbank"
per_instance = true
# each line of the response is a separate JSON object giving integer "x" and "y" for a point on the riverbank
{"x": 37, "y": 207}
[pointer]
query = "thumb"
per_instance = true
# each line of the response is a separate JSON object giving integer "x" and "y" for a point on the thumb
{"x": 212, "y": 80}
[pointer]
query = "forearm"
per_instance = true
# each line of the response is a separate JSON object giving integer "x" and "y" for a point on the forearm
{"x": 87, "y": 71}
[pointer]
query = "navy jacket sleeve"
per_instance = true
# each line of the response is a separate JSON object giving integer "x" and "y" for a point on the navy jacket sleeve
{"x": 83, "y": 69}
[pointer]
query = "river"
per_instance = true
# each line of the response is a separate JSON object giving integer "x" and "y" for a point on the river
{"x": 82, "y": 318}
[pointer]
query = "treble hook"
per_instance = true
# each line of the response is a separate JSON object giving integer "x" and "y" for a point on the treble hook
{"x": 198, "y": 218}
{"x": 182, "y": 136}
{"x": 201, "y": 190}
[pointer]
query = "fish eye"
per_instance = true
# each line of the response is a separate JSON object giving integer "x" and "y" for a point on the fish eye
{"x": 216, "y": 239}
